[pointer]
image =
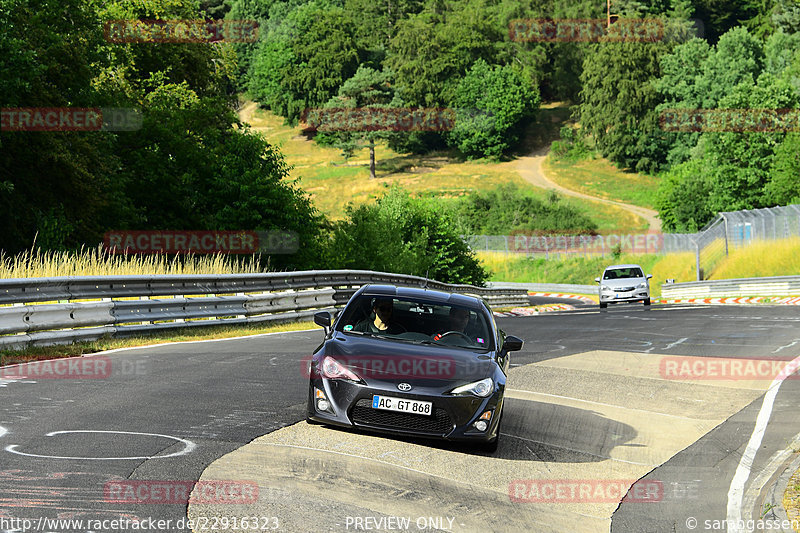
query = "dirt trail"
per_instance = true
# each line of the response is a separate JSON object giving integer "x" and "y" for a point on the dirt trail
{"x": 530, "y": 168}
{"x": 246, "y": 112}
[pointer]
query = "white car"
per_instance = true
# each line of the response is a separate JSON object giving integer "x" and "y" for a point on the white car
{"x": 624, "y": 283}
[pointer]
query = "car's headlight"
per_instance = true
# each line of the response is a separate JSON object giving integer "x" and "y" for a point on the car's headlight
{"x": 605, "y": 288}
{"x": 642, "y": 285}
{"x": 333, "y": 369}
{"x": 482, "y": 388}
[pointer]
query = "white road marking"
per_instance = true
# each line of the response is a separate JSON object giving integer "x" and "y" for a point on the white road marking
{"x": 736, "y": 491}
{"x": 677, "y": 342}
{"x": 188, "y": 446}
{"x": 787, "y": 346}
{"x": 3, "y": 431}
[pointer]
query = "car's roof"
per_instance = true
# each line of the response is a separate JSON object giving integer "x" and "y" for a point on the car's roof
{"x": 622, "y": 266}
{"x": 426, "y": 294}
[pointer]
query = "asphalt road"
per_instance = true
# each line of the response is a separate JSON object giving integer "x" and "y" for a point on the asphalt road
{"x": 586, "y": 399}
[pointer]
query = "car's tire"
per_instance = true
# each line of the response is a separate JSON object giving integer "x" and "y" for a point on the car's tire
{"x": 647, "y": 301}
{"x": 603, "y": 305}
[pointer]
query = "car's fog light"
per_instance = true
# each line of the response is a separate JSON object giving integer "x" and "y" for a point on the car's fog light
{"x": 322, "y": 402}
{"x": 481, "y": 425}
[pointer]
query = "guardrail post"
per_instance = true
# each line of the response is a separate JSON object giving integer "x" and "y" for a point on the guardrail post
{"x": 697, "y": 260}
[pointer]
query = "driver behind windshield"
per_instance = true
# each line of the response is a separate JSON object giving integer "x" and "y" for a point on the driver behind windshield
{"x": 459, "y": 318}
{"x": 458, "y": 323}
{"x": 382, "y": 322}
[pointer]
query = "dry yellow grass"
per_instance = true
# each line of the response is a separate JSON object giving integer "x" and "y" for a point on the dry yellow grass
{"x": 761, "y": 259}
{"x": 599, "y": 177}
{"x": 97, "y": 262}
{"x": 677, "y": 266}
{"x": 333, "y": 182}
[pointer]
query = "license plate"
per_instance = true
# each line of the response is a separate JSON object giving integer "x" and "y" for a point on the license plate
{"x": 389, "y": 403}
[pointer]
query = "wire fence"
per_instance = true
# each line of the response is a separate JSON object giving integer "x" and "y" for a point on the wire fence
{"x": 731, "y": 230}
{"x": 728, "y": 231}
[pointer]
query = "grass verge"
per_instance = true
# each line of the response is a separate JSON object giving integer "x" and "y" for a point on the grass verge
{"x": 761, "y": 259}
{"x": 583, "y": 270}
{"x": 98, "y": 262}
{"x": 599, "y": 177}
{"x": 39, "y": 353}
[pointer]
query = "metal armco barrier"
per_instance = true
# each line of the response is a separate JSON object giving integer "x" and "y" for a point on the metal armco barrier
{"x": 774, "y": 286}
{"x": 545, "y": 287}
{"x": 132, "y": 305}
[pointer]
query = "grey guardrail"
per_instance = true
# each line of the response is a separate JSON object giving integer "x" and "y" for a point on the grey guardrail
{"x": 545, "y": 287}
{"x": 733, "y": 288}
{"x": 44, "y": 311}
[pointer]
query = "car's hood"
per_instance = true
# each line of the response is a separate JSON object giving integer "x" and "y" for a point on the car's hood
{"x": 385, "y": 360}
{"x": 619, "y": 283}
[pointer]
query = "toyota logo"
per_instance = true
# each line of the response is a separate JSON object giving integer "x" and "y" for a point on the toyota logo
{"x": 404, "y": 386}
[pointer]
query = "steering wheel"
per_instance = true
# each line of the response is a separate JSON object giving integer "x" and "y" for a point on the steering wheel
{"x": 443, "y": 335}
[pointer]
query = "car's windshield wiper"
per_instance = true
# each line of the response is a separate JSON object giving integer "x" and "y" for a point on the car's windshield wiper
{"x": 364, "y": 333}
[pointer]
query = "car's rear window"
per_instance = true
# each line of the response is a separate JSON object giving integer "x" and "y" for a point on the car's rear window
{"x": 418, "y": 321}
{"x": 623, "y": 273}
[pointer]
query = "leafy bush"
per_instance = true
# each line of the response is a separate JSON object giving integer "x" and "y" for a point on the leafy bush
{"x": 404, "y": 235}
{"x": 571, "y": 147}
{"x": 508, "y": 208}
{"x": 492, "y": 104}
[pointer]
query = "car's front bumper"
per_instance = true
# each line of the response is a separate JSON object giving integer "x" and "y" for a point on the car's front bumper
{"x": 453, "y": 417}
{"x": 607, "y": 297}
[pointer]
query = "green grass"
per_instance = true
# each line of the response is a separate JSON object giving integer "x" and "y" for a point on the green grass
{"x": 583, "y": 270}
{"x": 599, "y": 177}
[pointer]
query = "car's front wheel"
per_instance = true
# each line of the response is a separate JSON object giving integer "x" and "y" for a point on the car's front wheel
{"x": 603, "y": 305}
{"x": 647, "y": 301}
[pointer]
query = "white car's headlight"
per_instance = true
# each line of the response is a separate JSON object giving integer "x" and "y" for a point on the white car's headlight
{"x": 605, "y": 288}
{"x": 642, "y": 285}
{"x": 482, "y": 388}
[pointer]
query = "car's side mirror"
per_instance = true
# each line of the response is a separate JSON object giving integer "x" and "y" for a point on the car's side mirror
{"x": 323, "y": 318}
{"x": 649, "y": 276}
{"x": 512, "y": 344}
{"x": 597, "y": 280}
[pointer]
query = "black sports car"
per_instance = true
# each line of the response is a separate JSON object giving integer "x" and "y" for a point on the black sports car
{"x": 413, "y": 362}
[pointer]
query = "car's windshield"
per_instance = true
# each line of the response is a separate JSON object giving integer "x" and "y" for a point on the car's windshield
{"x": 623, "y": 273}
{"x": 418, "y": 321}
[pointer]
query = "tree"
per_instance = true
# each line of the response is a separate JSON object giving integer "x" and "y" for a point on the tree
{"x": 682, "y": 199}
{"x": 405, "y": 235}
{"x": 314, "y": 52}
{"x": 431, "y": 52}
{"x": 493, "y": 105}
{"x": 783, "y": 187}
{"x": 618, "y": 102}
{"x": 679, "y": 85}
{"x": 786, "y": 15}
{"x": 367, "y": 89}
{"x": 740, "y": 163}
{"x": 53, "y": 186}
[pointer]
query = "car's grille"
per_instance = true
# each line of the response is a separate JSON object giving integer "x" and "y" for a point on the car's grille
{"x": 364, "y": 415}
{"x": 625, "y": 289}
